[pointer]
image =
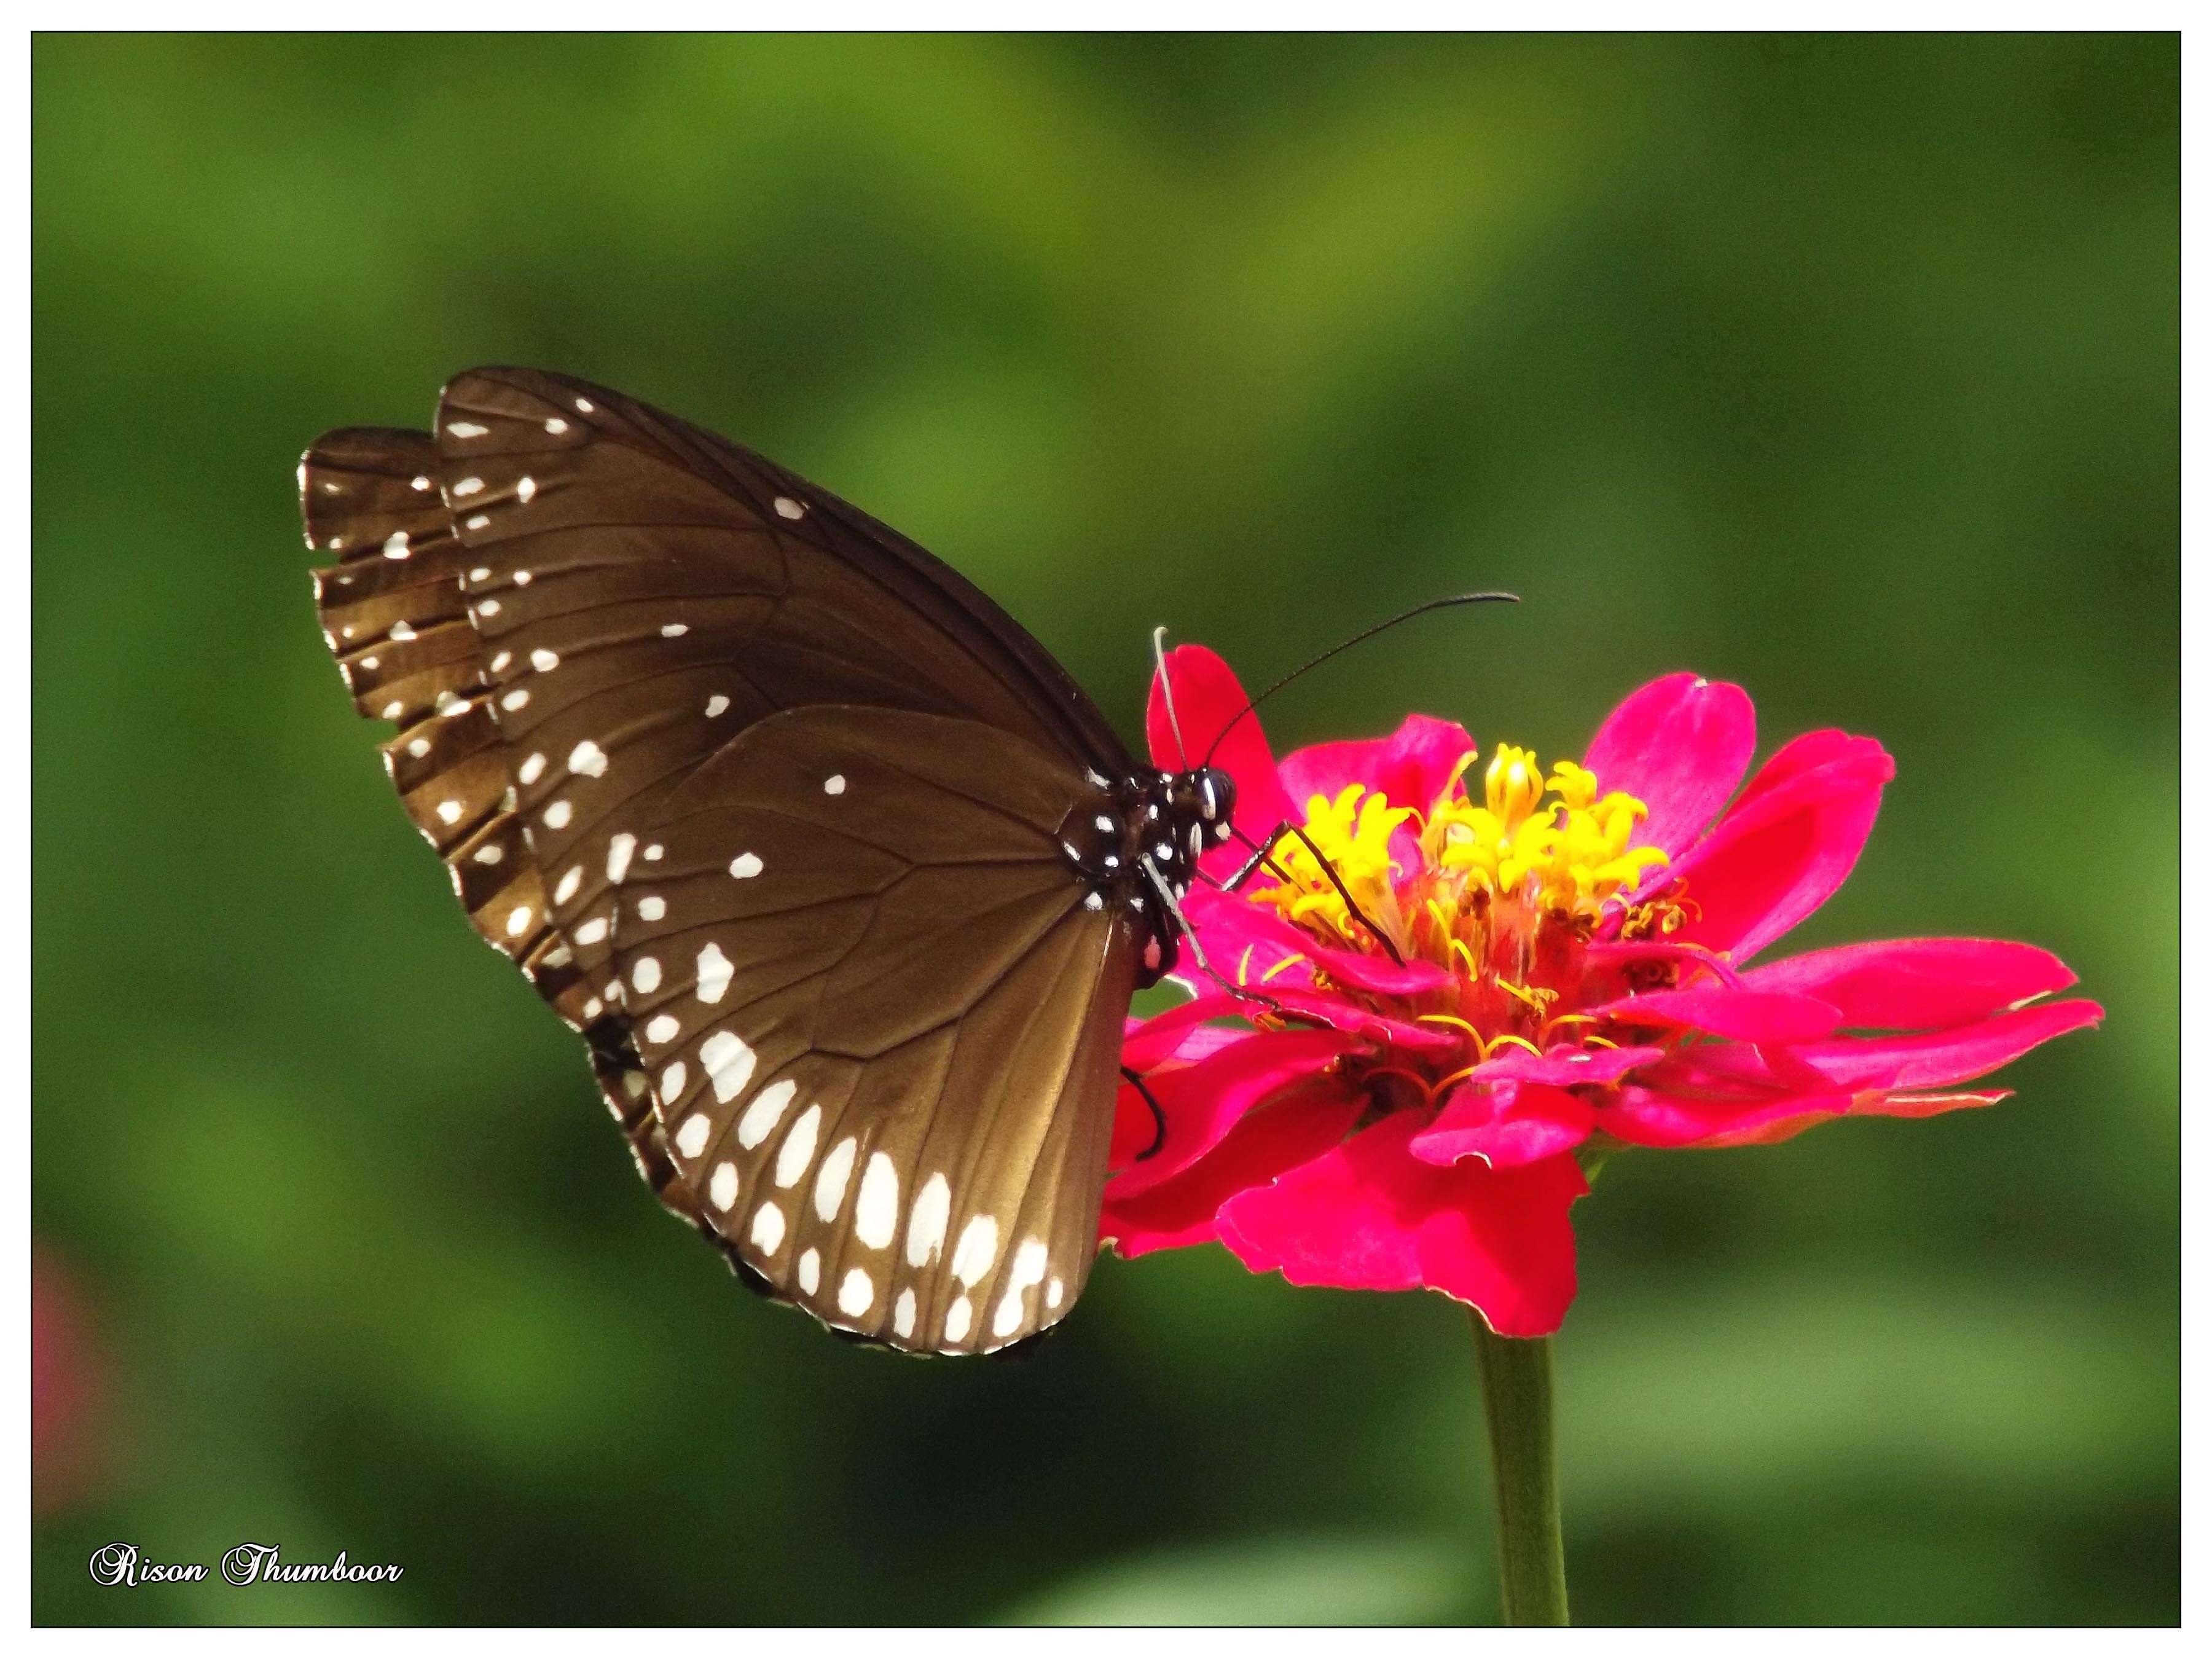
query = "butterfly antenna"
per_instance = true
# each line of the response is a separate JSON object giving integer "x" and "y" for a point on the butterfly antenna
{"x": 1167, "y": 692}
{"x": 1364, "y": 634}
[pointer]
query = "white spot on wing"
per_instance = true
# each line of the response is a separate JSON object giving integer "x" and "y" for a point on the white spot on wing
{"x": 588, "y": 758}
{"x": 745, "y": 866}
{"x": 925, "y": 1227}
{"x": 978, "y": 1248}
{"x": 468, "y": 487}
{"x": 662, "y": 1028}
{"x": 768, "y": 1229}
{"x": 786, "y": 507}
{"x": 671, "y": 1085}
{"x": 834, "y": 784}
{"x": 545, "y": 662}
{"x": 691, "y": 1138}
{"x": 958, "y": 1318}
{"x": 903, "y": 1313}
{"x": 729, "y": 1060}
{"x": 875, "y": 1217}
{"x": 810, "y": 1272}
{"x": 830, "y": 1184}
{"x": 798, "y": 1149}
{"x": 645, "y": 974}
{"x": 714, "y": 972}
{"x": 618, "y": 851}
{"x": 466, "y": 428}
{"x": 395, "y": 545}
{"x": 716, "y": 704}
{"x": 855, "y": 1295}
{"x": 1028, "y": 1270}
{"x": 722, "y": 1188}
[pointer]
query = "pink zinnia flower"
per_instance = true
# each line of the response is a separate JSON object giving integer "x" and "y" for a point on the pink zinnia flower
{"x": 1521, "y": 969}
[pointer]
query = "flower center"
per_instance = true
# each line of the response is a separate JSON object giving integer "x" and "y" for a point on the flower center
{"x": 1503, "y": 891}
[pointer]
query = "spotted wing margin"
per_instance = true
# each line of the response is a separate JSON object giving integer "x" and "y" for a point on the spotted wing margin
{"x": 394, "y": 617}
{"x": 881, "y": 1023}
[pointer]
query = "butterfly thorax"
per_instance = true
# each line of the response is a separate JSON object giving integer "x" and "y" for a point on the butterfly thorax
{"x": 1136, "y": 844}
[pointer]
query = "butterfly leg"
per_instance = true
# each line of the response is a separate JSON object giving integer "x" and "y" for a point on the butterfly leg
{"x": 1184, "y": 933}
{"x": 1136, "y": 1079}
{"x": 1261, "y": 858}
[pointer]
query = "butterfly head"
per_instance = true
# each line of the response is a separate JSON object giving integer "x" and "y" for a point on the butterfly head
{"x": 1204, "y": 799}
{"x": 1186, "y": 815}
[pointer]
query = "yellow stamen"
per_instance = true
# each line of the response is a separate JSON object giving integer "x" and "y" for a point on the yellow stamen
{"x": 1504, "y": 1037}
{"x": 1511, "y": 885}
{"x": 1449, "y": 1019}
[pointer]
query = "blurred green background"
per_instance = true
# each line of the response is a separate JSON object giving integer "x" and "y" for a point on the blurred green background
{"x": 1845, "y": 368}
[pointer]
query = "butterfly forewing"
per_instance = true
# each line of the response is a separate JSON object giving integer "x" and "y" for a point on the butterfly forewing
{"x": 587, "y": 620}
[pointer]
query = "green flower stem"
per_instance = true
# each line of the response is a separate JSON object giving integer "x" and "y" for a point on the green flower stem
{"x": 1516, "y": 1398}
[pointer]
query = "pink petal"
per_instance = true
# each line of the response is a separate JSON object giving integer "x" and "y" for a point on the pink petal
{"x": 1366, "y": 1215}
{"x": 1411, "y": 766}
{"x": 1564, "y": 1067}
{"x": 1653, "y": 1117}
{"x": 1263, "y": 1145}
{"x": 1248, "y": 943}
{"x": 1430, "y": 1042}
{"x": 1691, "y": 959}
{"x": 1505, "y": 1126}
{"x": 1174, "y": 1033}
{"x": 1781, "y": 851}
{"x": 1749, "y": 1016}
{"x": 1371, "y": 970}
{"x": 1679, "y": 745}
{"x": 1864, "y": 1106}
{"x": 1936, "y": 1059}
{"x": 1207, "y": 698}
{"x": 1917, "y": 984}
{"x": 1801, "y": 755}
{"x": 1202, "y": 1103}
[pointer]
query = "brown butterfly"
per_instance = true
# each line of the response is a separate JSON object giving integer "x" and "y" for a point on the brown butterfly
{"x": 844, "y": 880}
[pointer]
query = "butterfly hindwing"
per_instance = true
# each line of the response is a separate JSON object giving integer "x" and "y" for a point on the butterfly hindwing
{"x": 882, "y": 1027}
